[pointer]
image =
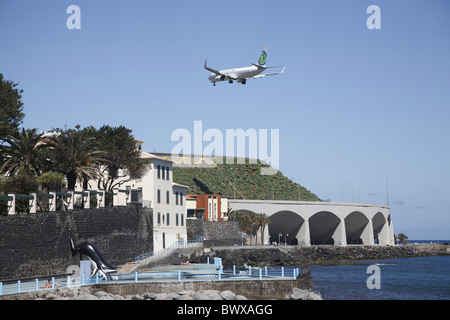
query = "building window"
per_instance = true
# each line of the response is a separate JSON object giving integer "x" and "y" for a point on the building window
{"x": 176, "y": 219}
{"x": 176, "y": 198}
{"x": 182, "y": 220}
{"x": 163, "y": 172}
{"x": 158, "y": 197}
{"x": 209, "y": 212}
{"x": 167, "y": 197}
{"x": 181, "y": 198}
{"x": 159, "y": 218}
{"x": 159, "y": 171}
{"x": 168, "y": 218}
{"x": 167, "y": 173}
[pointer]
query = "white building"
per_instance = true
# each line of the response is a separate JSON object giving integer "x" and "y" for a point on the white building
{"x": 157, "y": 190}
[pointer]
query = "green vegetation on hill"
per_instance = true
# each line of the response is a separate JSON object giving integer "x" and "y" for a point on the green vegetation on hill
{"x": 250, "y": 184}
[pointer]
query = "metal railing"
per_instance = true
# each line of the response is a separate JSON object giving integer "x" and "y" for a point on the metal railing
{"x": 155, "y": 256}
{"x": 216, "y": 274}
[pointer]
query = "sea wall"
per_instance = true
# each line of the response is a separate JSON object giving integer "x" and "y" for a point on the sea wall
{"x": 301, "y": 255}
{"x": 251, "y": 289}
{"x": 39, "y": 244}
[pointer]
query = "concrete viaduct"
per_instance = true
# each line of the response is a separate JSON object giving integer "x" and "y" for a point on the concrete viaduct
{"x": 309, "y": 223}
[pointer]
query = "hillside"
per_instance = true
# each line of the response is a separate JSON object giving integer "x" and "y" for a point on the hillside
{"x": 250, "y": 184}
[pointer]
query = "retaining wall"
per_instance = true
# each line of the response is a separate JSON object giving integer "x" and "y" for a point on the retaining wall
{"x": 39, "y": 244}
{"x": 251, "y": 289}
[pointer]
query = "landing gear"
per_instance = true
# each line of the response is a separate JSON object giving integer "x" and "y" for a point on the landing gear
{"x": 214, "y": 84}
{"x": 230, "y": 81}
{"x": 244, "y": 81}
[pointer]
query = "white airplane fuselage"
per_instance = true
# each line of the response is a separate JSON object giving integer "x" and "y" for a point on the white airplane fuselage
{"x": 237, "y": 73}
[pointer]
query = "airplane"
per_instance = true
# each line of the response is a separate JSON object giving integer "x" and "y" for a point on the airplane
{"x": 242, "y": 74}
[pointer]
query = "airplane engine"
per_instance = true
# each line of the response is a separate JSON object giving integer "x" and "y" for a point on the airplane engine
{"x": 220, "y": 77}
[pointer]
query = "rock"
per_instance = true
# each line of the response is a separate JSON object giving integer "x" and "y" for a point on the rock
{"x": 208, "y": 295}
{"x": 27, "y": 296}
{"x": 149, "y": 296}
{"x": 298, "y": 294}
{"x": 52, "y": 296}
{"x": 85, "y": 293}
{"x": 314, "y": 296}
{"x": 184, "y": 297}
{"x": 166, "y": 296}
{"x": 100, "y": 294}
{"x": 64, "y": 292}
{"x": 227, "y": 295}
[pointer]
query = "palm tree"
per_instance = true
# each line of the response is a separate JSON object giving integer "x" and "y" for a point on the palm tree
{"x": 262, "y": 221}
{"x": 77, "y": 156}
{"x": 22, "y": 154}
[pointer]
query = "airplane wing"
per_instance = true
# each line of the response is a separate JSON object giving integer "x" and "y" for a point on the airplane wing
{"x": 212, "y": 70}
{"x": 228, "y": 76}
{"x": 268, "y": 74}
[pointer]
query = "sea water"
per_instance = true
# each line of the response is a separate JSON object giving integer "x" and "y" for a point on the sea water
{"x": 425, "y": 278}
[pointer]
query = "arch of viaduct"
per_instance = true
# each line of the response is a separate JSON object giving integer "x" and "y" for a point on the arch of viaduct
{"x": 309, "y": 223}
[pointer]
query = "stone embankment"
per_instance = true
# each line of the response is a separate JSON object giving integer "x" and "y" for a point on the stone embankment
{"x": 301, "y": 255}
{"x": 85, "y": 293}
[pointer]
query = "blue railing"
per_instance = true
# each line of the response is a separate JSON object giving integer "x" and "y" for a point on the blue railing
{"x": 209, "y": 274}
{"x": 154, "y": 256}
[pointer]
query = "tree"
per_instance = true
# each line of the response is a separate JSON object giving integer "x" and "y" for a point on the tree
{"x": 76, "y": 155}
{"x": 123, "y": 162}
{"x": 246, "y": 220}
{"x": 11, "y": 109}
{"x": 22, "y": 154}
{"x": 262, "y": 221}
{"x": 51, "y": 180}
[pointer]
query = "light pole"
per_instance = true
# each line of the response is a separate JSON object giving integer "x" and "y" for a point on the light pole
{"x": 279, "y": 235}
{"x": 285, "y": 243}
{"x": 359, "y": 192}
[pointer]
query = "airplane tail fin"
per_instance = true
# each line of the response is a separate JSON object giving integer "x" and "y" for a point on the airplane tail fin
{"x": 263, "y": 57}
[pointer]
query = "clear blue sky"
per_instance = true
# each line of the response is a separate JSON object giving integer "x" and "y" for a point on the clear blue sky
{"x": 352, "y": 104}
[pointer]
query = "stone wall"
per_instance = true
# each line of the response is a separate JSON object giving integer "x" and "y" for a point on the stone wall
{"x": 214, "y": 233}
{"x": 39, "y": 244}
{"x": 251, "y": 289}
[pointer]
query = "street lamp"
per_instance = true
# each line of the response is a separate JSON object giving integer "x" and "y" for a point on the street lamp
{"x": 286, "y": 235}
{"x": 279, "y": 235}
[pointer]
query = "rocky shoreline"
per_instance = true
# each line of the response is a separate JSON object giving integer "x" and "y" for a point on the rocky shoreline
{"x": 301, "y": 255}
{"x": 86, "y": 293}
